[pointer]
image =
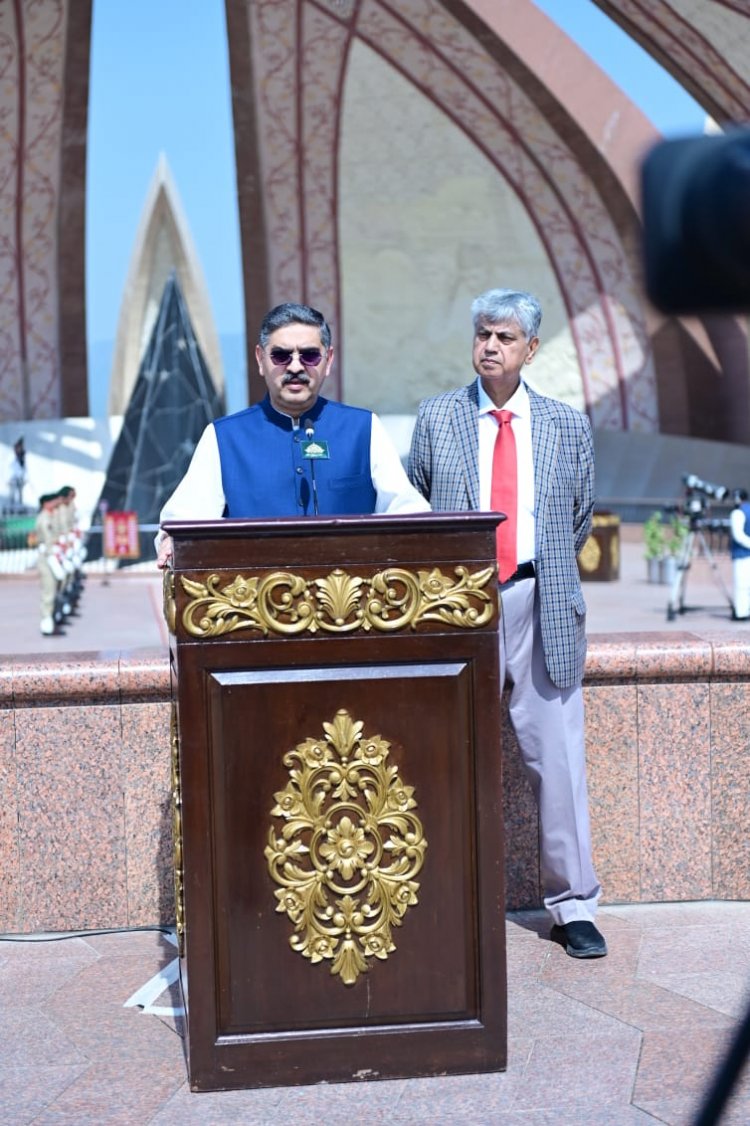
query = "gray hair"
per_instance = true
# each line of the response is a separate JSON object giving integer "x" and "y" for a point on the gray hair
{"x": 498, "y": 305}
{"x": 292, "y": 314}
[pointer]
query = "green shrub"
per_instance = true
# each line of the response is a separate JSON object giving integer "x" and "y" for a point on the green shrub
{"x": 654, "y": 536}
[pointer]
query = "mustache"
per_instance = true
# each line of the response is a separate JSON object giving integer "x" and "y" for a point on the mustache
{"x": 298, "y": 376}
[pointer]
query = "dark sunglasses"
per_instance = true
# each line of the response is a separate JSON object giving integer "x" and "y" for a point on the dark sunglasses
{"x": 308, "y": 357}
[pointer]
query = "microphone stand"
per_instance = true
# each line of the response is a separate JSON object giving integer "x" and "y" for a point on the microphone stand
{"x": 309, "y": 434}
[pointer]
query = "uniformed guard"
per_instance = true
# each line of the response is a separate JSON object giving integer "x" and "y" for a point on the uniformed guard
{"x": 70, "y": 543}
{"x": 50, "y": 568}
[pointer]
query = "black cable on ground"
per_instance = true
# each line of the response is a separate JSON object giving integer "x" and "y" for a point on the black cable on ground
{"x": 53, "y": 936}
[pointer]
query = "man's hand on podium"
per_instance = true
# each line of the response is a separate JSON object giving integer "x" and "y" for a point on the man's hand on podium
{"x": 164, "y": 553}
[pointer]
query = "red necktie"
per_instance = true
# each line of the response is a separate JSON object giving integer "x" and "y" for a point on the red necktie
{"x": 504, "y": 494}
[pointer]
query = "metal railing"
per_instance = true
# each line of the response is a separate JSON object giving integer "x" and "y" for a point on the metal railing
{"x": 18, "y": 556}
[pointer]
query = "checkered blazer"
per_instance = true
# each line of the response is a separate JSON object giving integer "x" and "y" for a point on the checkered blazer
{"x": 444, "y": 466}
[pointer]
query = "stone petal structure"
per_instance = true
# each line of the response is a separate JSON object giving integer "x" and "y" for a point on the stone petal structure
{"x": 163, "y": 245}
{"x": 702, "y": 43}
{"x": 507, "y": 156}
{"x": 554, "y": 147}
{"x": 44, "y": 68}
{"x": 173, "y": 400}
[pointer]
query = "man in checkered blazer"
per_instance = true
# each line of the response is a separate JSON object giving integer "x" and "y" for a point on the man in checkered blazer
{"x": 542, "y": 629}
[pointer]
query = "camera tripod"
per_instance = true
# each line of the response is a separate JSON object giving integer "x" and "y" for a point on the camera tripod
{"x": 695, "y": 536}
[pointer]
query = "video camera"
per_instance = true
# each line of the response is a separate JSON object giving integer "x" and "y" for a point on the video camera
{"x": 696, "y": 223}
{"x": 694, "y": 485}
{"x": 698, "y": 495}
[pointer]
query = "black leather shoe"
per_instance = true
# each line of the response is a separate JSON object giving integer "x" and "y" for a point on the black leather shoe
{"x": 581, "y": 939}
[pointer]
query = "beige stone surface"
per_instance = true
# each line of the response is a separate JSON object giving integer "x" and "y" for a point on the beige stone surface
{"x": 426, "y": 224}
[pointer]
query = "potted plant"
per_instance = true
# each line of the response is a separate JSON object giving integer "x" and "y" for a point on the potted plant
{"x": 654, "y": 541}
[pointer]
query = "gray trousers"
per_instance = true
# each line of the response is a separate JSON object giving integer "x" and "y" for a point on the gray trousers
{"x": 548, "y": 722}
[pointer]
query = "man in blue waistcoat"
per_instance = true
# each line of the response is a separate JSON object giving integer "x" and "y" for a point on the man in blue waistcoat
{"x": 295, "y": 453}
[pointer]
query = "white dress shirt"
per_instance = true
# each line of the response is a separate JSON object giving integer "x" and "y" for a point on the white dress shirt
{"x": 737, "y": 527}
{"x": 200, "y": 493}
{"x": 519, "y": 406}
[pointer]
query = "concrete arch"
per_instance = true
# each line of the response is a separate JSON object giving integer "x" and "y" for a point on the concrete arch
{"x": 299, "y": 50}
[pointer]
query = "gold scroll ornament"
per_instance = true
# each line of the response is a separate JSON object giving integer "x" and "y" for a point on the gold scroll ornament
{"x": 169, "y": 608}
{"x": 350, "y": 848}
{"x": 285, "y": 603}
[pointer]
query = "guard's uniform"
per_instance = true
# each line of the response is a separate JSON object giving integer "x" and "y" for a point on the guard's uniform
{"x": 47, "y": 534}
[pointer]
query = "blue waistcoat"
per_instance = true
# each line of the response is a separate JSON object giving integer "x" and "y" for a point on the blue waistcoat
{"x": 264, "y": 473}
{"x": 736, "y": 549}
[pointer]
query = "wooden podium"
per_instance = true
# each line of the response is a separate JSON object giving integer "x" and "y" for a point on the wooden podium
{"x": 337, "y": 798}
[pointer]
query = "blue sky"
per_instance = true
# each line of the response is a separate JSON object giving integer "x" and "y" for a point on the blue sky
{"x": 160, "y": 83}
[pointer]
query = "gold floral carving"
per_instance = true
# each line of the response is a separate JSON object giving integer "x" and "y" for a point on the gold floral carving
{"x": 349, "y": 850}
{"x": 284, "y": 603}
{"x": 179, "y": 893}
{"x": 170, "y": 612}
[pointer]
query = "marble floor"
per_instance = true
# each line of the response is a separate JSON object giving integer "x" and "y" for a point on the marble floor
{"x": 636, "y": 1037}
{"x": 632, "y": 1038}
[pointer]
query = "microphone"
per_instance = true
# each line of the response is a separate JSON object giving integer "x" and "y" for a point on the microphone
{"x": 310, "y": 434}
